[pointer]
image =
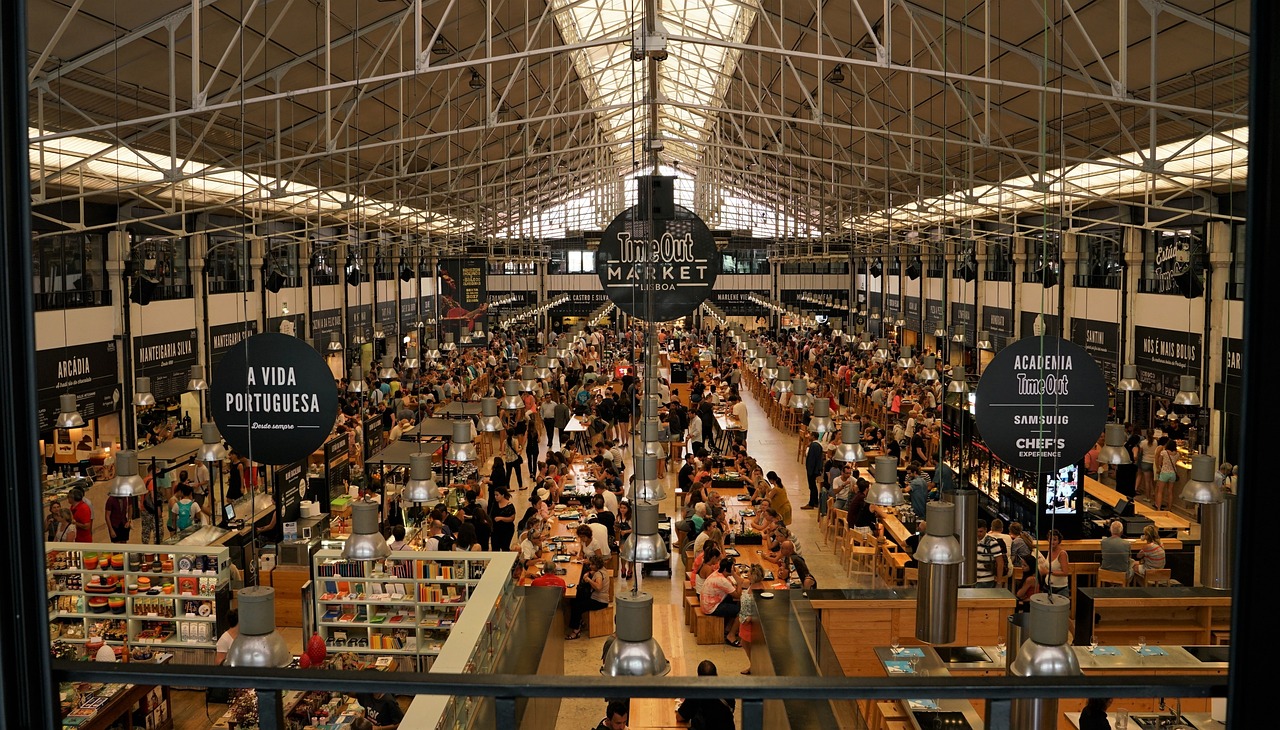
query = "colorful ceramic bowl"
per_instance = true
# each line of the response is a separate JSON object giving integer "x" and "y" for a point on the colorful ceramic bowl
{"x": 116, "y": 604}
{"x": 117, "y": 561}
{"x": 167, "y": 588}
{"x": 98, "y": 605}
{"x": 90, "y": 561}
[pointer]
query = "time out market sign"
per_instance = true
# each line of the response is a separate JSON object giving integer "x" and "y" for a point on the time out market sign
{"x": 672, "y": 262}
{"x": 1041, "y": 404}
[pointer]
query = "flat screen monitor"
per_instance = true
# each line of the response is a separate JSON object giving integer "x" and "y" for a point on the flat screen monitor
{"x": 229, "y": 512}
{"x": 1062, "y": 491}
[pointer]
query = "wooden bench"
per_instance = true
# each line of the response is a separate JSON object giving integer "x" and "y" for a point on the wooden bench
{"x": 691, "y": 610}
{"x": 708, "y": 629}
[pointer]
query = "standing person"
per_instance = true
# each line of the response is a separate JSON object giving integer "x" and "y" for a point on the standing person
{"x": 185, "y": 510}
{"x": 562, "y": 417}
{"x": 513, "y": 453}
{"x": 119, "y": 518}
{"x": 548, "y": 413}
{"x": 498, "y": 479}
{"x": 531, "y": 443}
{"x": 200, "y": 484}
{"x": 1167, "y": 464}
{"x": 708, "y": 714}
{"x": 813, "y": 463}
{"x": 81, "y": 515}
{"x": 739, "y": 411}
{"x": 1149, "y": 446}
{"x": 150, "y": 529}
{"x": 622, "y": 530}
{"x": 748, "y": 615}
{"x": 1056, "y": 570}
{"x": 991, "y": 558}
{"x": 504, "y": 521}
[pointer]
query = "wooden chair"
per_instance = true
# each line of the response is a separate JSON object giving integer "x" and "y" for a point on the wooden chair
{"x": 1116, "y": 578}
{"x": 1089, "y": 570}
{"x": 837, "y": 525}
{"x": 802, "y": 446}
{"x": 1153, "y": 577}
{"x": 910, "y": 576}
{"x": 858, "y": 556}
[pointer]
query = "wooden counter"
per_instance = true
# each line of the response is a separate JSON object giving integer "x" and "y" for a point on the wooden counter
{"x": 288, "y": 580}
{"x": 1164, "y": 520}
{"x": 858, "y": 621}
{"x": 1178, "y": 615}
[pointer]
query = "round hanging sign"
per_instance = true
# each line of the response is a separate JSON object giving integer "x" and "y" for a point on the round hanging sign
{"x": 672, "y": 263}
{"x": 273, "y": 397}
{"x": 1041, "y": 404}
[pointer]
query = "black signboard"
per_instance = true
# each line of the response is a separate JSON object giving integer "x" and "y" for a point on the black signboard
{"x": 223, "y": 337}
{"x": 325, "y": 325}
{"x": 1041, "y": 404}
{"x": 277, "y": 392}
{"x": 671, "y": 261}
{"x": 1230, "y": 399}
{"x": 360, "y": 322}
{"x": 166, "y": 358}
{"x": 408, "y": 314}
{"x": 1162, "y": 356}
{"x": 893, "y": 303}
{"x": 911, "y": 311}
{"x": 297, "y": 324}
{"x": 387, "y": 315}
{"x": 337, "y": 468}
{"x": 737, "y": 303}
{"x": 1102, "y": 341}
{"x": 288, "y": 487}
{"x": 966, "y": 315}
{"x": 89, "y": 371}
{"x": 1027, "y": 324}
{"x": 579, "y": 303}
{"x": 998, "y": 321}
{"x": 934, "y": 314}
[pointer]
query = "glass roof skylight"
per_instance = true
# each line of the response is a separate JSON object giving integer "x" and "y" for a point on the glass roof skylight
{"x": 692, "y": 75}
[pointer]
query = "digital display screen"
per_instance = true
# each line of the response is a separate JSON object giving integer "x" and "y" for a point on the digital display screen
{"x": 1061, "y": 492}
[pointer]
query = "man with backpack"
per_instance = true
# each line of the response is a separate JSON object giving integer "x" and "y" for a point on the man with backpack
{"x": 186, "y": 511}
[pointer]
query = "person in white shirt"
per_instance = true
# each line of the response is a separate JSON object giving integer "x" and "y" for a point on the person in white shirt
{"x": 610, "y": 499}
{"x": 695, "y": 428}
{"x": 593, "y": 539}
{"x": 739, "y": 411}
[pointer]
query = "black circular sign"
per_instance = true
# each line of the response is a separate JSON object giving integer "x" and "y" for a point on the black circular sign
{"x": 275, "y": 393}
{"x": 1041, "y": 404}
{"x": 672, "y": 262}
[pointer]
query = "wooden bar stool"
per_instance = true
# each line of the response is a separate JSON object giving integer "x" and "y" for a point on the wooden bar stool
{"x": 1154, "y": 577}
{"x": 1112, "y": 578}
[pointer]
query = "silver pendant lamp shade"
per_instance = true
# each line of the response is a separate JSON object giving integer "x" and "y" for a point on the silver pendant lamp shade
{"x": 800, "y": 398}
{"x": 957, "y": 336}
{"x": 335, "y": 344}
{"x": 448, "y": 345}
{"x": 850, "y": 447}
{"x": 355, "y": 380}
{"x": 939, "y": 332}
{"x": 365, "y": 541}
{"x": 959, "y": 383}
{"x": 928, "y": 368}
{"x": 820, "y": 421}
{"x": 543, "y": 368}
{"x": 211, "y": 448}
{"x": 885, "y": 491}
{"x": 762, "y": 357}
{"x": 411, "y": 357}
{"x": 528, "y": 378}
{"x": 258, "y": 644}
{"x": 939, "y": 557}
{"x": 196, "y": 380}
{"x": 489, "y": 420}
{"x": 647, "y": 487}
{"x": 142, "y": 396}
{"x": 461, "y": 447}
{"x": 388, "y": 369}
{"x": 984, "y": 340}
{"x": 864, "y": 344}
{"x": 1129, "y": 379}
{"x": 770, "y": 371}
{"x": 511, "y": 400}
{"x": 433, "y": 351}
{"x": 782, "y": 386}
{"x": 651, "y": 439}
{"x": 882, "y": 350}
{"x": 1043, "y": 653}
{"x": 68, "y": 413}
{"x": 905, "y": 360}
{"x": 1113, "y": 451}
{"x": 1202, "y": 488}
{"x": 1188, "y": 392}
{"x": 421, "y": 486}
{"x": 127, "y": 482}
{"x": 644, "y": 544}
{"x": 633, "y": 652}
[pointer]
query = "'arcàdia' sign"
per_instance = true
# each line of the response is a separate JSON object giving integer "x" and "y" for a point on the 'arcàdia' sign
{"x": 1041, "y": 404}
{"x": 670, "y": 264}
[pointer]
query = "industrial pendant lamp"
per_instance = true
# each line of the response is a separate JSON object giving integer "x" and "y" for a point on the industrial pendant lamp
{"x": 142, "y": 396}
{"x": 68, "y": 414}
{"x": 542, "y": 370}
{"x": 411, "y": 357}
{"x": 211, "y": 448}
{"x": 489, "y": 420}
{"x": 800, "y": 398}
{"x": 782, "y": 386}
{"x": 1129, "y": 379}
{"x": 127, "y": 482}
{"x": 1188, "y": 393}
{"x": 355, "y": 380}
{"x": 1202, "y": 488}
{"x": 958, "y": 384}
{"x": 770, "y": 371}
{"x": 928, "y": 369}
{"x": 820, "y": 422}
{"x": 257, "y": 643}
{"x": 850, "y": 446}
{"x": 511, "y": 400}
{"x": 388, "y": 369}
{"x": 196, "y": 382}
{"x": 365, "y": 542}
{"x": 421, "y": 486}
{"x": 882, "y": 353}
{"x": 647, "y": 486}
{"x": 528, "y": 378}
{"x": 433, "y": 350}
{"x": 939, "y": 557}
{"x": 905, "y": 361}
{"x": 984, "y": 340}
{"x": 449, "y": 345}
{"x": 1044, "y": 653}
{"x": 865, "y": 343}
{"x": 644, "y": 544}
{"x": 1114, "y": 452}
{"x": 461, "y": 447}
{"x": 335, "y": 343}
{"x": 652, "y": 443}
{"x": 885, "y": 491}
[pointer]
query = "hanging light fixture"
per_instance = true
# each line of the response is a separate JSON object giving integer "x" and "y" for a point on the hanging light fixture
{"x": 940, "y": 332}
{"x": 335, "y": 343}
{"x": 449, "y": 345}
{"x": 511, "y": 400}
{"x": 476, "y": 81}
{"x": 958, "y": 335}
{"x": 528, "y": 378}
{"x": 365, "y": 542}
{"x": 462, "y": 447}
{"x": 542, "y": 370}
{"x": 882, "y": 353}
{"x": 411, "y": 357}
{"x": 1188, "y": 393}
{"x": 820, "y": 422}
{"x": 197, "y": 382}
{"x": 257, "y": 643}
{"x": 647, "y": 486}
{"x": 939, "y": 557}
{"x": 1129, "y": 379}
{"x": 928, "y": 368}
{"x": 782, "y": 386}
{"x": 355, "y": 380}
{"x": 388, "y": 369}
{"x": 142, "y": 396}
{"x": 127, "y": 482}
{"x": 885, "y": 491}
{"x": 211, "y": 448}
{"x": 1114, "y": 452}
{"x": 1044, "y": 653}
{"x": 905, "y": 360}
{"x": 984, "y": 340}
{"x": 770, "y": 371}
{"x": 958, "y": 384}
{"x": 489, "y": 420}
{"x": 644, "y": 544}
{"x": 850, "y": 446}
{"x": 421, "y": 486}
{"x": 865, "y": 343}
{"x": 68, "y": 414}
{"x": 800, "y": 398}
{"x": 652, "y": 443}
{"x": 1202, "y": 487}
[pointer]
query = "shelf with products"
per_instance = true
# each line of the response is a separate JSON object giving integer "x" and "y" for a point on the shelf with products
{"x": 137, "y": 594}
{"x": 406, "y": 606}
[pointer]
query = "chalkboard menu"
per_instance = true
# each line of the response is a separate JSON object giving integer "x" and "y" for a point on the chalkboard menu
{"x": 166, "y": 358}
{"x": 373, "y": 431}
{"x": 288, "y": 490}
{"x": 893, "y": 304}
{"x": 387, "y": 315}
{"x": 337, "y": 469}
{"x": 911, "y": 312}
{"x": 1162, "y": 356}
{"x": 999, "y": 322}
{"x": 1102, "y": 341}
{"x": 223, "y": 337}
{"x": 89, "y": 371}
{"x": 408, "y": 315}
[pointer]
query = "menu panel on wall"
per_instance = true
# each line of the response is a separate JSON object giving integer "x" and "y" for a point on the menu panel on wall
{"x": 408, "y": 315}
{"x": 360, "y": 322}
{"x": 911, "y": 312}
{"x": 1102, "y": 341}
{"x": 325, "y": 325}
{"x": 464, "y": 294}
{"x": 580, "y": 302}
{"x": 1162, "y": 356}
{"x": 166, "y": 358}
{"x": 288, "y": 487}
{"x": 223, "y": 337}
{"x": 893, "y": 304}
{"x": 387, "y": 315}
{"x": 934, "y": 314}
{"x": 737, "y": 303}
{"x": 289, "y": 324}
{"x": 967, "y": 315}
{"x": 1052, "y": 324}
{"x": 337, "y": 469}
{"x": 89, "y": 371}
{"x": 999, "y": 322}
